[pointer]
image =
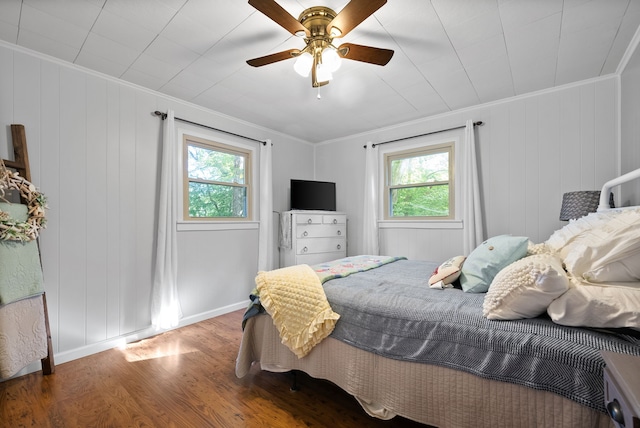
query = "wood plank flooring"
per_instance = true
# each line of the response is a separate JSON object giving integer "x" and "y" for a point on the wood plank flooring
{"x": 181, "y": 378}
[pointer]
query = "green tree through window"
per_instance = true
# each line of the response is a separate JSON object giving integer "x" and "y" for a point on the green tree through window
{"x": 420, "y": 183}
{"x": 216, "y": 180}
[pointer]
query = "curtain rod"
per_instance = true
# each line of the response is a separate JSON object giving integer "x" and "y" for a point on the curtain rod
{"x": 163, "y": 116}
{"x": 480, "y": 123}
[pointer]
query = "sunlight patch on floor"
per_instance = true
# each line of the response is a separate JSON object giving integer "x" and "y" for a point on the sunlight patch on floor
{"x": 148, "y": 350}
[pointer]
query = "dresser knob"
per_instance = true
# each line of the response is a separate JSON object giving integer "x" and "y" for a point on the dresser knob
{"x": 339, "y": 246}
{"x": 305, "y": 233}
{"x": 309, "y": 221}
{"x": 335, "y": 221}
{"x": 304, "y": 250}
{"x": 615, "y": 411}
{"x": 339, "y": 232}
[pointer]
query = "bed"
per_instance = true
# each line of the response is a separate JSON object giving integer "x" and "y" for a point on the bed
{"x": 420, "y": 340}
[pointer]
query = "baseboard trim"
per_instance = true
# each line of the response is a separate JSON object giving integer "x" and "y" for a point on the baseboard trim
{"x": 120, "y": 341}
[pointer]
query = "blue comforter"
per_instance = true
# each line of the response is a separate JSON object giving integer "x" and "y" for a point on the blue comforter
{"x": 391, "y": 311}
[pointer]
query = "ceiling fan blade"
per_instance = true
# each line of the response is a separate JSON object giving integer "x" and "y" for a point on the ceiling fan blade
{"x": 362, "y": 53}
{"x": 270, "y": 59}
{"x": 353, "y": 14}
{"x": 279, "y": 15}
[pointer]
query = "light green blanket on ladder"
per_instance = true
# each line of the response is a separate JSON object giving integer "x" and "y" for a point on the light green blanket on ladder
{"x": 20, "y": 270}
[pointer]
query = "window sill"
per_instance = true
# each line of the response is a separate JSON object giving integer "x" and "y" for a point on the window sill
{"x": 426, "y": 224}
{"x": 191, "y": 226}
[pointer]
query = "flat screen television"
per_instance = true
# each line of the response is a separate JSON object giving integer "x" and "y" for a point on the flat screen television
{"x": 313, "y": 195}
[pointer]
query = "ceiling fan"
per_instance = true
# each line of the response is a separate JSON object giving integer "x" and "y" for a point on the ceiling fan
{"x": 318, "y": 26}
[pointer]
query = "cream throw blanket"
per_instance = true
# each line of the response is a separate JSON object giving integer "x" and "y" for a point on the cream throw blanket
{"x": 295, "y": 299}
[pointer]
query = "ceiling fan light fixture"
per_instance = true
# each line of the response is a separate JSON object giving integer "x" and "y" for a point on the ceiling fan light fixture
{"x": 303, "y": 64}
{"x": 323, "y": 72}
{"x": 331, "y": 59}
{"x": 335, "y": 32}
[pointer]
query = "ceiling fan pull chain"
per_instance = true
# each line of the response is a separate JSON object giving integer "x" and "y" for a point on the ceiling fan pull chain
{"x": 319, "y": 97}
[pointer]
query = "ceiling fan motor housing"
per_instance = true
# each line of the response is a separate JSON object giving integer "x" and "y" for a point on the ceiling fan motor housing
{"x": 316, "y": 19}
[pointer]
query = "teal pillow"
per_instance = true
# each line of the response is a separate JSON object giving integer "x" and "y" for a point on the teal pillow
{"x": 489, "y": 258}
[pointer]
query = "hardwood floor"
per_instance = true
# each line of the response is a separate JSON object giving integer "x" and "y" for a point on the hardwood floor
{"x": 181, "y": 378}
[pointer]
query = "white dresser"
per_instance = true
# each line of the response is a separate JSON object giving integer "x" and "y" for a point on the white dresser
{"x": 315, "y": 237}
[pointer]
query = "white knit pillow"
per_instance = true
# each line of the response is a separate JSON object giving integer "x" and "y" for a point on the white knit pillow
{"x": 540, "y": 248}
{"x": 525, "y": 288}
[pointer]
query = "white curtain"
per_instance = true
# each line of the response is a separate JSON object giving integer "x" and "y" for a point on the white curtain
{"x": 370, "y": 245}
{"x": 165, "y": 303}
{"x": 265, "y": 243}
{"x": 471, "y": 206}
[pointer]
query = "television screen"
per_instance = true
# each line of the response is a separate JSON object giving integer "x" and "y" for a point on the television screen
{"x": 313, "y": 195}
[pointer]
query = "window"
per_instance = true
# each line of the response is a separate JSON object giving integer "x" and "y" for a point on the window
{"x": 419, "y": 183}
{"x": 217, "y": 182}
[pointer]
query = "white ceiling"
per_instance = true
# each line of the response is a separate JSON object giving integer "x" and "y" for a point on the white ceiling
{"x": 449, "y": 54}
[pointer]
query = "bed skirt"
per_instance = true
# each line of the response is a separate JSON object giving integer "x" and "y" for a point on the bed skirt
{"x": 426, "y": 393}
{"x": 23, "y": 335}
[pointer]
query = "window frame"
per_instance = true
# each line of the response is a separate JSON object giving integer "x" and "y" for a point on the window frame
{"x": 187, "y": 138}
{"x": 403, "y": 150}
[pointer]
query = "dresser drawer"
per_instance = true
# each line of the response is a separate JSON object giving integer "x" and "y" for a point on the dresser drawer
{"x": 334, "y": 219}
{"x": 309, "y": 218}
{"x": 320, "y": 245}
{"x": 320, "y": 231}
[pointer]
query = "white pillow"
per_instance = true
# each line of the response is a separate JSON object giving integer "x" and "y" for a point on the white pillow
{"x": 596, "y": 242}
{"x": 525, "y": 288}
{"x": 625, "y": 270}
{"x": 597, "y": 306}
{"x": 562, "y": 237}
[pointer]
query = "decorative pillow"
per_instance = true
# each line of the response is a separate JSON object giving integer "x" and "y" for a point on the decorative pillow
{"x": 525, "y": 288}
{"x": 540, "y": 248}
{"x": 448, "y": 271}
{"x": 597, "y": 306}
{"x": 488, "y": 259}
{"x": 591, "y": 246}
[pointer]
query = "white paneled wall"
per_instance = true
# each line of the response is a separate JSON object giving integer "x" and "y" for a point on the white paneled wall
{"x": 421, "y": 244}
{"x": 94, "y": 147}
{"x": 630, "y": 127}
{"x": 531, "y": 150}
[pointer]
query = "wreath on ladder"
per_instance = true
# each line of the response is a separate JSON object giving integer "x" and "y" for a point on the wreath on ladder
{"x": 28, "y": 230}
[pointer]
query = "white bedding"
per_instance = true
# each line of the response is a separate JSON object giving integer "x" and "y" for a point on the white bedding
{"x": 601, "y": 253}
{"x": 594, "y": 305}
{"x": 599, "y": 246}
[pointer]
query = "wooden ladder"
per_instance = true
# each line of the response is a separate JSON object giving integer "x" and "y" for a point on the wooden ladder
{"x": 21, "y": 164}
